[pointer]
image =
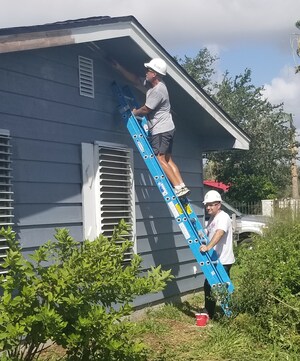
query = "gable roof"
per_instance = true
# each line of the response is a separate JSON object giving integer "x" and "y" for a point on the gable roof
{"x": 126, "y": 40}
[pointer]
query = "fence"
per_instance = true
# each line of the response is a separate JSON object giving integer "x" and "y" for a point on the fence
{"x": 267, "y": 207}
{"x": 270, "y": 206}
{"x": 248, "y": 208}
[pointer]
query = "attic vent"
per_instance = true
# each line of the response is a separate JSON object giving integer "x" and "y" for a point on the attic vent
{"x": 6, "y": 208}
{"x": 86, "y": 77}
{"x": 116, "y": 190}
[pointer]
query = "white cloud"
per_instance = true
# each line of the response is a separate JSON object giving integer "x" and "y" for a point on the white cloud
{"x": 214, "y": 21}
{"x": 286, "y": 89}
{"x": 177, "y": 26}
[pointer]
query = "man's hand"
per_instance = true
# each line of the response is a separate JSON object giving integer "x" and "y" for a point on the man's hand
{"x": 204, "y": 248}
{"x": 114, "y": 63}
{"x": 144, "y": 110}
{"x": 216, "y": 238}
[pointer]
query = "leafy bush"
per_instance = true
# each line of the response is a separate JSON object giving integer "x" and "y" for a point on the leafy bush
{"x": 75, "y": 294}
{"x": 268, "y": 284}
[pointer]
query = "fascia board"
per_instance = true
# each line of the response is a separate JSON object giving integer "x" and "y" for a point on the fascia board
{"x": 46, "y": 39}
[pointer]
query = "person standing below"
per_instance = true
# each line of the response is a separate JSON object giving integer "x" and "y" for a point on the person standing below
{"x": 219, "y": 232}
{"x": 161, "y": 127}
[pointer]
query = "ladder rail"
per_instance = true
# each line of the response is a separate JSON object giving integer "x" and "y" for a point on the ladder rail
{"x": 168, "y": 190}
{"x": 137, "y": 134}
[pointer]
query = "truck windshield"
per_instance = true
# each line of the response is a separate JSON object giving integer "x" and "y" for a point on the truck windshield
{"x": 230, "y": 210}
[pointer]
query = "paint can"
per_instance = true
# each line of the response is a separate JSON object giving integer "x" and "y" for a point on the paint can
{"x": 201, "y": 319}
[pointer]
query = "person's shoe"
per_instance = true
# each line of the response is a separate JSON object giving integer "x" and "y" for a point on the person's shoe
{"x": 182, "y": 192}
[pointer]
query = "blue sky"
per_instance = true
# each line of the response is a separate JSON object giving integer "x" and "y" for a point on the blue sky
{"x": 251, "y": 34}
{"x": 264, "y": 67}
{"x": 265, "y": 62}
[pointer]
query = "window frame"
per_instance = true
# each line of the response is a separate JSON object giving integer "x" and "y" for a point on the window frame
{"x": 93, "y": 224}
{"x": 6, "y": 192}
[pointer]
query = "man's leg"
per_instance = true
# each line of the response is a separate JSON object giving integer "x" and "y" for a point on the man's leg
{"x": 210, "y": 302}
{"x": 169, "y": 170}
{"x": 174, "y": 168}
{"x": 162, "y": 146}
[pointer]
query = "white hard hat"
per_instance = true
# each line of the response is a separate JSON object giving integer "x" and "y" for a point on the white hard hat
{"x": 158, "y": 65}
{"x": 212, "y": 196}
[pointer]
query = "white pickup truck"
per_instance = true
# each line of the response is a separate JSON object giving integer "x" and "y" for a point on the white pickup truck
{"x": 244, "y": 226}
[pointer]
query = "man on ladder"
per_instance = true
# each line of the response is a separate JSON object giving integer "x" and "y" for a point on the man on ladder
{"x": 161, "y": 127}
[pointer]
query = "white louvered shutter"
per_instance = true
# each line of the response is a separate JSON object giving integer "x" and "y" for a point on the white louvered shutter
{"x": 116, "y": 190}
{"x": 6, "y": 194}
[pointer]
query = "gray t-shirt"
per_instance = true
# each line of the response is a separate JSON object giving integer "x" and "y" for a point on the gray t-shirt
{"x": 160, "y": 118}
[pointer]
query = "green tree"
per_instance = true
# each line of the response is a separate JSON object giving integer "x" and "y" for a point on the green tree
{"x": 264, "y": 170}
{"x": 200, "y": 68}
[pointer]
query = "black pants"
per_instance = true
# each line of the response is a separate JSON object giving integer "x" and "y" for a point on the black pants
{"x": 210, "y": 302}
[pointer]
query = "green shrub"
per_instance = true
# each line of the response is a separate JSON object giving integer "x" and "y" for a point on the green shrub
{"x": 268, "y": 284}
{"x": 75, "y": 294}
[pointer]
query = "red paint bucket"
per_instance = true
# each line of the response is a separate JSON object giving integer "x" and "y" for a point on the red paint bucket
{"x": 201, "y": 319}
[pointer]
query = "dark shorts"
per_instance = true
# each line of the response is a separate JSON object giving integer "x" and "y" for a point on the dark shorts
{"x": 162, "y": 143}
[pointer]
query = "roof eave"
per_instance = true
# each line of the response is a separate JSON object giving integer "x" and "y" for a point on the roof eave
{"x": 59, "y": 34}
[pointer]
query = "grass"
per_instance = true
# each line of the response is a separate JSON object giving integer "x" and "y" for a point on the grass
{"x": 171, "y": 334}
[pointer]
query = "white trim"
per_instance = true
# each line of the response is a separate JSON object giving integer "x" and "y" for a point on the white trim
{"x": 100, "y": 32}
{"x": 89, "y": 192}
{"x": 92, "y": 206}
{"x": 134, "y": 237}
{"x": 6, "y": 192}
{"x": 4, "y": 132}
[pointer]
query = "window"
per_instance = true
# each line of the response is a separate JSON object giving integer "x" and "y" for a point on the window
{"x": 108, "y": 189}
{"x": 6, "y": 208}
{"x": 86, "y": 77}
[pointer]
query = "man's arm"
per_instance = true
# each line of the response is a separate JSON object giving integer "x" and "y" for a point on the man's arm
{"x": 134, "y": 79}
{"x": 216, "y": 238}
{"x": 144, "y": 110}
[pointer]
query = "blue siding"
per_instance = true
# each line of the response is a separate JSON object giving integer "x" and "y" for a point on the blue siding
{"x": 48, "y": 120}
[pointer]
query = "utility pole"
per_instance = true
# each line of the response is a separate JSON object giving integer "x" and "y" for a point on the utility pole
{"x": 294, "y": 170}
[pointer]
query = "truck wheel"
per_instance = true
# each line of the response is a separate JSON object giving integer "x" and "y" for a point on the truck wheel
{"x": 246, "y": 243}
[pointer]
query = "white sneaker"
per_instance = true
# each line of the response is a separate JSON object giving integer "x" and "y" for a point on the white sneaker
{"x": 182, "y": 192}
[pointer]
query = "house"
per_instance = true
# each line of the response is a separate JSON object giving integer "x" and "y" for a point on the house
{"x": 67, "y": 159}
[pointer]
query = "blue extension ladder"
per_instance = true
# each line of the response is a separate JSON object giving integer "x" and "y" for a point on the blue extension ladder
{"x": 181, "y": 208}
